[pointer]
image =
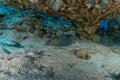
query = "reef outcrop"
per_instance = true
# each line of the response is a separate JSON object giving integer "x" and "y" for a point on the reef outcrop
{"x": 89, "y": 13}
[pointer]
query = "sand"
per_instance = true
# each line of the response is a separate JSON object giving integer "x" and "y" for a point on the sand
{"x": 36, "y": 61}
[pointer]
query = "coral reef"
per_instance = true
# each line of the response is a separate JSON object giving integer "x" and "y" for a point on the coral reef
{"x": 10, "y": 15}
{"x": 114, "y": 29}
{"x": 109, "y": 33}
{"x": 89, "y": 13}
{"x": 32, "y": 23}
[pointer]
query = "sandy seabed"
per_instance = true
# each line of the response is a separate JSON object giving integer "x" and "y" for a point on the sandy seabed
{"x": 36, "y": 61}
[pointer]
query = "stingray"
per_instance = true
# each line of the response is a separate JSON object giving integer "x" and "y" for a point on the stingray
{"x": 59, "y": 41}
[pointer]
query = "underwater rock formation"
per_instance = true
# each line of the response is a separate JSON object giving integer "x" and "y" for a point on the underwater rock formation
{"x": 110, "y": 33}
{"x": 89, "y": 13}
{"x": 114, "y": 29}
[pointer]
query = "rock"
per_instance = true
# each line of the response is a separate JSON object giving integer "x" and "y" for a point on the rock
{"x": 114, "y": 29}
{"x": 83, "y": 54}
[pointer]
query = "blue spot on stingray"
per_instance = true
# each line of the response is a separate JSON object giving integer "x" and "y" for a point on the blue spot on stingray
{"x": 104, "y": 25}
